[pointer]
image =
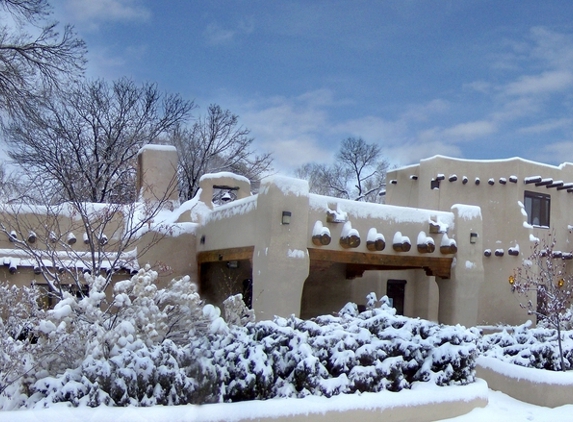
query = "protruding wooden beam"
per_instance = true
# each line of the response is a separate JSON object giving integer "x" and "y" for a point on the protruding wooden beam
{"x": 321, "y": 239}
{"x": 532, "y": 179}
{"x": 545, "y": 182}
{"x": 556, "y": 184}
{"x": 565, "y": 186}
{"x": 376, "y": 245}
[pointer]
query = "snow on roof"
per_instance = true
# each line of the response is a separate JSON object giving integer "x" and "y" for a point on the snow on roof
{"x": 287, "y": 185}
{"x": 499, "y": 160}
{"x": 157, "y": 147}
{"x": 238, "y": 207}
{"x": 467, "y": 212}
{"x": 66, "y": 209}
{"x": 380, "y": 211}
{"x": 76, "y": 259}
{"x": 224, "y": 174}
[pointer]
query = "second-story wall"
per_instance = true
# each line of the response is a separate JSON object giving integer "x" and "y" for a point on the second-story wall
{"x": 440, "y": 182}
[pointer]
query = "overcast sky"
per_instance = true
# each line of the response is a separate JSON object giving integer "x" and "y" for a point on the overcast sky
{"x": 473, "y": 79}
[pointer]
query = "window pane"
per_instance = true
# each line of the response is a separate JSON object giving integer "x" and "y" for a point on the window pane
{"x": 538, "y": 208}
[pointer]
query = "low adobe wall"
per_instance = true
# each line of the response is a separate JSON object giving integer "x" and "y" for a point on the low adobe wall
{"x": 423, "y": 403}
{"x": 531, "y": 385}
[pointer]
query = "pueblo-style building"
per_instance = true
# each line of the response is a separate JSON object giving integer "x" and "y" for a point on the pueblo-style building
{"x": 442, "y": 247}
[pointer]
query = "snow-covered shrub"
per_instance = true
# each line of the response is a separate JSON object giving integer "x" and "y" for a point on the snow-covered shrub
{"x": 530, "y": 347}
{"x": 164, "y": 374}
{"x": 236, "y": 312}
{"x": 566, "y": 321}
{"x": 20, "y": 318}
{"x": 351, "y": 352}
{"x": 91, "y": 351}
{"x": 151, "y": 346}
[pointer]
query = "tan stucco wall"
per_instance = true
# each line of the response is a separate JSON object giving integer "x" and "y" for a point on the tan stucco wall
{"x": 503, "y": 222}
{"x": 157, "y": 173}
{"x": 280, "y": 259}
{"x": 326, "y": 292}
{"x": 170, "y": 255}
{"x": 421, "y": 291}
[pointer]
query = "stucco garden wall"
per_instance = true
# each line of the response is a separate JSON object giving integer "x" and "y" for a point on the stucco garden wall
{"x": 423, "y": 404}
{"x": 536, "y": 386}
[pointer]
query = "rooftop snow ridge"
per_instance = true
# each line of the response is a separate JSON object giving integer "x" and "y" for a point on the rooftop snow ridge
{"x": 499, "y": 160}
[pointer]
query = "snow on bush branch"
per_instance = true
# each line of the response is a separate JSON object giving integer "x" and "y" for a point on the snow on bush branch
{"x": 530, "y": 347}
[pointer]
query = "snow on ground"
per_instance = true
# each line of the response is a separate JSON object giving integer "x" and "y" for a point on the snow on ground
{"x": 501, "y": 408}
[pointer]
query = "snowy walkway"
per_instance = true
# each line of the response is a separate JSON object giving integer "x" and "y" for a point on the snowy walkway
{"x": 502, "y": 408}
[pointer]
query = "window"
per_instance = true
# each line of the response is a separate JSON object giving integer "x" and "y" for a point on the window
{"x": 537, "y": 206}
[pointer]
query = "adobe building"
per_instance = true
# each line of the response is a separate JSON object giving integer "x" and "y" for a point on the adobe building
{"x": 442, "y": 247}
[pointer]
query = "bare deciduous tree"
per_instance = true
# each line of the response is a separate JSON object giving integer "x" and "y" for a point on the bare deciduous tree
{"x": 215, "y": 143}
{"x": 359, "y": 172}
{"x": 34, "y": 53}
{"x": 544, "y": 281}
{"x": 82, "y": 145}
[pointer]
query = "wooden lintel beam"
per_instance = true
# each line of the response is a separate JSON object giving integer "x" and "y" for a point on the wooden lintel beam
{"x": 434, "y": 266}
{"x": 231, "y": 254}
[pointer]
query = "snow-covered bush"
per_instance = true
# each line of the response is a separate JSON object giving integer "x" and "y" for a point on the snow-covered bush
{"x": 328, "y": 355}
{"x": 547, "y": 286}
{"x": 236, "y": 312}
{"x": 530, "y": 347}
{"x": 19, "y": 315}
{"x": 151, "y": 346}
{"x": 73, "y": 352}
{"x": 164, "y": 374}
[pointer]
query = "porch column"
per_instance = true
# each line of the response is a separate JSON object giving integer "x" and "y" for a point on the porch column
{"x": 459, "y": 295}
{"x": 280, "y": 258}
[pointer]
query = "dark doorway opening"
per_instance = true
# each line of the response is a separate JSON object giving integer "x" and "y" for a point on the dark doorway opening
{"x": 395, "y": 290}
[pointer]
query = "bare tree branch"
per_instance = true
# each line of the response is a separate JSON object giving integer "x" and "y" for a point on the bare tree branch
{"x": 35, "y": 56}
{"x": 359, "y": 172}
{"x": 84, "y": 143}
{"x": 215, "y": 143}
{"x": 547, "y": 285}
